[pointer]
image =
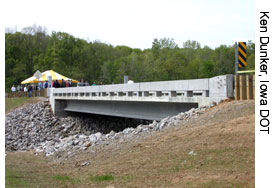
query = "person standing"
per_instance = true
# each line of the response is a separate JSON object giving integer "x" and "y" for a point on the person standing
{"x": 70, "y": 83}
{"x": 56, "y": 84}
{"x": 40, "y": 85}
{"x": 80, "y": 83}
{"x": 13, "y": 89}
{"x": 63, "y": 84}
{"x": 130, "y": 82}
{"x": 25, "y": 89}
{"x": 30, "y": 91}
{"x": 46, "y": 84}
{"x": 67, "y": 83}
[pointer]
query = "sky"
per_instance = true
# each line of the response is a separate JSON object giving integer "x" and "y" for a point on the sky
{"x": 136, "y": 23}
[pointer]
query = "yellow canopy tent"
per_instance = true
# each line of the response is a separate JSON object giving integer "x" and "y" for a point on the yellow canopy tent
{"x": 55, "y": 76}
{"x": 30, "y": 80}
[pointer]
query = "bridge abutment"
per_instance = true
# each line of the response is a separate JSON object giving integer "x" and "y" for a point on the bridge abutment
{"x": 59, "y": 108}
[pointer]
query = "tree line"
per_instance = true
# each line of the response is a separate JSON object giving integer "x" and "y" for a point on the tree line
{"x": 34, "y": 49}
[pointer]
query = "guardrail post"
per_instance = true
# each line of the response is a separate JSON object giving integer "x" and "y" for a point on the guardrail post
{"x": 237, "y": 88}
{"x": 249, "y": 87}
{"x": 243, "y": 92}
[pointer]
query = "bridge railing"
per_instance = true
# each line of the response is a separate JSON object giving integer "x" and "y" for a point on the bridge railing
{"x": 186, "y": 88}
{"x": 218, "y": 88}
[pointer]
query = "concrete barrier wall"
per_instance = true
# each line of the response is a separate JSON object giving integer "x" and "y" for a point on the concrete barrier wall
{"x": 221, "y": 86}
{"x": 218, "y": 87}
{"x": 180, "y": 85}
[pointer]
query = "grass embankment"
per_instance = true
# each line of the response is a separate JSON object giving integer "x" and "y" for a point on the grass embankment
{"x": 16, "y": 102}
{"x": 215, "y": 150}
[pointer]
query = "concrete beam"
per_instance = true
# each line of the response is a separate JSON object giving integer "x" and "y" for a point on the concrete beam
{"x": 139, "y": 110}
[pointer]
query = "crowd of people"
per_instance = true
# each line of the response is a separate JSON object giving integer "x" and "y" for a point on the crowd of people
{"x": 41, "y": 85}
{"x": 86, "y": 83}
{"x": 56, "y": 84}
{"x": 27, "y": 88}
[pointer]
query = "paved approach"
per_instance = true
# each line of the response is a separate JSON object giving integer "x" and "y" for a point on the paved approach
{"x": 146, "y": 100}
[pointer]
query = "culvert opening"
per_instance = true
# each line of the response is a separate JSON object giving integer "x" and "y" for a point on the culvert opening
{"x": 93, "y": 123}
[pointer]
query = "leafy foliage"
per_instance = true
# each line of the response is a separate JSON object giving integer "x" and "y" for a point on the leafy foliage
{"x": 33, "y": 49}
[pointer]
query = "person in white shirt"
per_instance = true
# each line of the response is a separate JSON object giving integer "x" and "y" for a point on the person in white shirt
{"x": 25, "y": 89}
{"x": 13, "y": 89}
{"x": 130, "y": 82}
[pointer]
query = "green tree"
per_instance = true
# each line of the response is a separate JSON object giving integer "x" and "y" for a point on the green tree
{"x": 33, "y": 49}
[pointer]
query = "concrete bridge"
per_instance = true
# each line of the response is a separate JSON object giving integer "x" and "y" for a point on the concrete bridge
{"x": 146, "y": 100}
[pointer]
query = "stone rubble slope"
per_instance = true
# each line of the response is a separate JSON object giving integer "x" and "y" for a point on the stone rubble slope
{"x": 35, "y": 128}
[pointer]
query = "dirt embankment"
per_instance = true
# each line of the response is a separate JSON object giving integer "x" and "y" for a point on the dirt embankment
{"x": 214, "y": 150}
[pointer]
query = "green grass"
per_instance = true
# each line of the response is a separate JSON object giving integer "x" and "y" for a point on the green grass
{"x": 14, "y": 179}
{"x": 13, "y": 103}
{"x": 66, "y": 180}
{"x": 101, "y": 178}
{"x": 62, "y": 178}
